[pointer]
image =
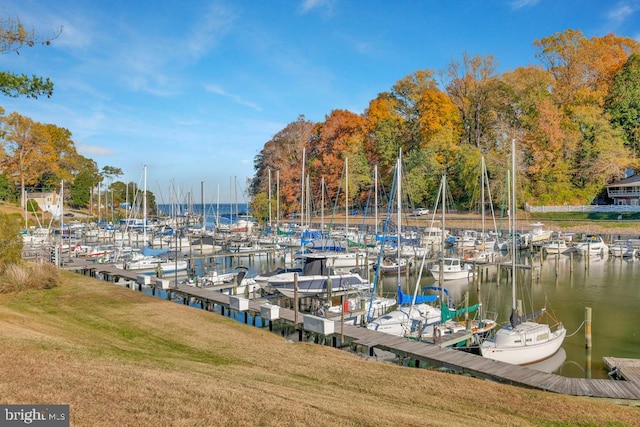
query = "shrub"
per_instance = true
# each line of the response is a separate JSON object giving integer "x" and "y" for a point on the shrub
{"x": 10, "y": 241}
{"x": 24, "y": 277}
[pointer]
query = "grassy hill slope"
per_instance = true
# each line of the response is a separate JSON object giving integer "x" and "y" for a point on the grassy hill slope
{"x": 119, "y": 357}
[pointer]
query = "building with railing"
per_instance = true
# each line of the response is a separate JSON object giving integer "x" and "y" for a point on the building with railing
{"x": 625, "y": 192}
{"x": 584, "y": 208}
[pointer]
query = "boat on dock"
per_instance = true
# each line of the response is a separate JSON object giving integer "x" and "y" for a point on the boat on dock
{"x": 453, "y": 268}
{"x": 557, "y": 246}
{"x": 592, "y": 244}
{"x": 316, "y": 278}
{"x": 623, "y": 249}
{"x": 392, "y": 265}
{"x": 523, "y": 340}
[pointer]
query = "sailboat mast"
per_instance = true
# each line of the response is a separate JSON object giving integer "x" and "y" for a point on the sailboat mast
{"x": 308, "y": 210}
{"x": 144, "y": 206}
{"x": 322, "y": 206}
{"x": 444, "y": 208}
{"x": 399, "y": 205}
{"x": 218, "y": 208}
{"x": 346, "y": 197}
{"x": 513, "y": 226}
{"x": 204, "y": 216}
{"x": 270, "y": 225}
{"x": 62, "y": 223}
{"x": 482, "y": 172}
{"x": 375, "y": 196}
{"x": 304, "y": 155}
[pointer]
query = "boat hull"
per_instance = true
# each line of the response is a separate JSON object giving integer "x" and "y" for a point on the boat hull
{"x": 309, "y": 285}
{"x": 523, "y": 344}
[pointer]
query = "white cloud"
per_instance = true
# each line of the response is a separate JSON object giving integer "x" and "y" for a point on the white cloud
{"x": 94, "y": 150}
{"x": 219, "y": 91}
{"x": 520, "y": 4}
{"x": 310, "y": 5}
{"x": 621, "y": 12}
{"x": 214, "y": 25}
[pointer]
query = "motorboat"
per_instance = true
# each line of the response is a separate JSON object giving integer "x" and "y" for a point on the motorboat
{"x": 453, "y": 269}
{"x": 316, "y": 278}
{"x": 592, "y": 244}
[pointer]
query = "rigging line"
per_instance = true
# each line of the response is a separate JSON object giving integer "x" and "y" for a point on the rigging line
{"x": 579, "y": 327}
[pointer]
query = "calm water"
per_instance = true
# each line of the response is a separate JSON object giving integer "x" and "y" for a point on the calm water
{"x": 611, "y": 287}
{"x": 224, "y": 211}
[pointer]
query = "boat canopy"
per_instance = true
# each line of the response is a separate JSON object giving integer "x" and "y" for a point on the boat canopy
{"x": 448, "y": 313}
{"x": 516, "y": 319}
{"x": 404, "y": 299}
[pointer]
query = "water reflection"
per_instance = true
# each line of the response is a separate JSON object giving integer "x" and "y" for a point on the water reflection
{"x": 566, "y": 285}
{"x": 552, "y": 364}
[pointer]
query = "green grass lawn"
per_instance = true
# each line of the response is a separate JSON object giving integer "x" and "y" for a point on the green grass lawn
{"x": 119, "y": 357}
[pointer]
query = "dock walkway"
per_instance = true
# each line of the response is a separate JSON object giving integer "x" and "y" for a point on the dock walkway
{"x": 423, "y": 353}
{"x": 626, "y": 369}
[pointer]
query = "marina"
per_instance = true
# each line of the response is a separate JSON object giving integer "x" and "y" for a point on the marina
{"x": 567, "y": 284}
{"x": 363, "y": 341}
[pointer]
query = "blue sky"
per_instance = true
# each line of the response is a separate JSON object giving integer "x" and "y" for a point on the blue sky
{"x": 193, "y": 89}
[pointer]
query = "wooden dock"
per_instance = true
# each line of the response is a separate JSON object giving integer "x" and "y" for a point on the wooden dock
{"x": 625, "y": 369}
{"x": 424, "y": 354}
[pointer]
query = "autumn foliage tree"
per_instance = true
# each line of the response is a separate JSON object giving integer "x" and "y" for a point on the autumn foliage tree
{"x": 284, "y": 154}
{"x": 340, "y": 138}
{"x": 574, "y": 117}
{"x": 27, "y": 151}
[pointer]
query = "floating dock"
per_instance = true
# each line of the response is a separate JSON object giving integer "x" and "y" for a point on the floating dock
{"x": 623, "y": 368}
{"x": 363, "y": 340}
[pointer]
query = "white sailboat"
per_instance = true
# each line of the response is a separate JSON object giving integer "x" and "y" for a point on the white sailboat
{"x": 523, "y": 341}
{"x": 448, "y": 267}
{"x": 415, "y": 317}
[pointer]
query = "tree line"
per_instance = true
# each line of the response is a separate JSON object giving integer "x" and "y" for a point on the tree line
{"x": 575, "y": 118}
{"x": 37, "y": 157}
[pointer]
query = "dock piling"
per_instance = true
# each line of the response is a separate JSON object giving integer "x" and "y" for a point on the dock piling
{"x": 587, "y": 327}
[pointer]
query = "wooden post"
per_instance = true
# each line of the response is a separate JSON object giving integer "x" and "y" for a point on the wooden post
{"x": 571, "y": 262}
{"x": 341, "y": 321}
{"x": 466, "y": 313}
{"x": 587, "y": 326}
{"x": 587, "y": 258}
{"x": 295, "y": 300}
